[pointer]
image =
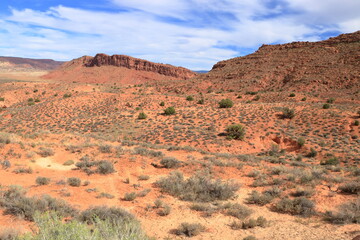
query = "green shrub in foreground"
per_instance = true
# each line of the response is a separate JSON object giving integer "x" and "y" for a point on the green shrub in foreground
{"x": 235, "y": 131}
{"x": 169, "y": 111}
{"x": 226, "y": 103}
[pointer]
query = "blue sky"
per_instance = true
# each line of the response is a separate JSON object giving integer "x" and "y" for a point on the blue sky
{"x": 191, "y": 33}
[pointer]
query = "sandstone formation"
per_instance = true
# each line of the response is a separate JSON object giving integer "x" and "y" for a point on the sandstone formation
{"x": 117, "y": 68}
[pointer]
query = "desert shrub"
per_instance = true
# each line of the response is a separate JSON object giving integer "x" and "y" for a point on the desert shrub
{"x": 330, "y": 100}
{"x": 37, "y": 100}
{"x": 164, "y": 211}
{"x": 104, "y": 213}
{"x": 67, "y": 95}
{"x": 74, "y": 181}
{"x": 201, "y": 101}
{"x": 50, "y": 226}
{"x": 346, "y": 213}
{"x": 350, "y": 187}
{"x": 68, "y": 163}
{"x": 259, "y": 199}
{"x": 356, "y": 123}
{"x": 162, "y": 104}
{"x": 5, "y": 164}
{"x": 251, "y": 223}
{"x": 256, "y": 98}
{"x": 288, "y": 113}
{"x": 5, "y": 138}
{"x": 300, "y": 192}
{"x": 292, "y": 95}
{"x": 142, "y": 115}
{"x": 146, "y": 152}
{"x": 170, "y": 162}
{"x": 189, "y": 98}
{"x": 312, "y": 153}
{"x": 130, "y": 196}
{"x": 105, "y": 148}
{"x": 199, "y": 188}
{"x": 326, "y": 106}
{"x": 23, "y": 170}
{"x": 2, "y": 99}
{"x": 42, "y": 181}
{"x": 143, "y": 193}
{"x": 143, "y": 177}
{"x": 237, "y": 210}
{"x": 45, "y": 152}
{"x": 17, "y": 204}
{"x": 297, "y": 206}
{"x": 250, "y": 93}
{"x": 331, "y": 161}
{"x": 169, "y": 111}
{"x": 105, "y": 167}
{"x": 189, "y": 229}
{"x": 226, "y": 103}
{"x": 301, "y": 141}
{"x": 235, "y": 131}
{"x": 251, "y": 237}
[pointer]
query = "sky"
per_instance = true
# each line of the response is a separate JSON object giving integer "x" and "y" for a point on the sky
{"x": 191, "y": 33}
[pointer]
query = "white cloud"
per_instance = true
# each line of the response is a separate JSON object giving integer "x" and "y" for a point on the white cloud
{"x": 64, "y": 33}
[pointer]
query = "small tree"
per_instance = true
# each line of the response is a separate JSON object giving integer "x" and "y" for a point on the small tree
{"x": 226, "y": 103}
{"x": 169, "y": 111}
{"x": 288, "y": 113}
{"x": 190, "y": 98}
{"x": 142, "y": 115}
{"x": 235, "y": 131}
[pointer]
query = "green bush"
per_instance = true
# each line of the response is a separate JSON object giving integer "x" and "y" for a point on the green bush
{"x": 312, "y": 153}
{"x": 104, "y": 213}
{"x": 331, "y": 161}
{"x": 331, "y": 100}
{"x": 237, "y": 210}
{"x": 45, "y": 152}
{"x": 201, "y": 101}
{"x": 356, "y": 123}
{"x": 2, "y": 99}
{"x": 189, "y": 98}
{"x": 105, "y": 148}
{"x": 288, "y": 113}
{"x": 292, "y": 95}
{"x": 198, "y": 187}
{"x": 226, "y": 103}
{"x": 105, "y": 167}
{"x": 130, "y": 196}
{"x": 170, "y": 162}
{"x": 303, "y": 99}
{"x": 326, "y": 106}
{"x": 169, "y": 111}
{"x": 297, "y": 206}
{"x": 162, "y": 104}
{"x": 42, "y": 181}
{"x": 189, "y": 229}
{"x": 235, "y": 131}
{"x": 74, "y": 182}
{"x": 50, "y": 226}
{"x": 142, "y": 115}
{"x": 301, "y": 141}
{"x": 67, "y": 95}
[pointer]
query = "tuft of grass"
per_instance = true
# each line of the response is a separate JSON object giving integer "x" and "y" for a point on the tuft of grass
{"x": 198, "y": 187}
{"x": 189, "y": 229}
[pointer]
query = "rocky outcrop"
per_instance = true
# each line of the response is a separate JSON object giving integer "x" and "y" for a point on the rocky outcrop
{"x": 324, "y": 65}
{"x": 117, "y": 69}
{"x": 139, "y": 65}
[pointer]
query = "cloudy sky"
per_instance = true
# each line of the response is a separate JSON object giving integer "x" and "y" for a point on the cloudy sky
{"x": 191, "y": 33}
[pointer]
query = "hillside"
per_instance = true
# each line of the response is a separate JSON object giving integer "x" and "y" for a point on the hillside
{"x": 118, "y": 69}
{"x": 16, "y": 64}
{"x": 302, "y": 66}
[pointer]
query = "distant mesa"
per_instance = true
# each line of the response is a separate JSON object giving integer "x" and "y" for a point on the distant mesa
{"x": 117, "y": 68}
{"x": 9, "y": 64}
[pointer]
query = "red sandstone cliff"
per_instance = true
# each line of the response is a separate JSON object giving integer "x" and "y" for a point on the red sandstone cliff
{"x": 117, "y": 68}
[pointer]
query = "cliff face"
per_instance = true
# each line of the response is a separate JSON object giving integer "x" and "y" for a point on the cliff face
{"x": 324, "y": 65}
{"x": 117, "y": 68}
{"x": 139, "y": 65}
